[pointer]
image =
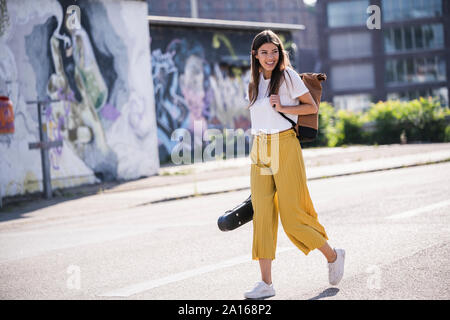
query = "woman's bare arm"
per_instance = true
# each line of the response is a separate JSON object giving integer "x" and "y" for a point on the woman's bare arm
{"x": 306, "y": 106}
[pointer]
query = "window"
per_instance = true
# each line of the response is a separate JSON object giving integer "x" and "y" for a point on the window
{"x": 440, "y": 94}
{"x": 407, "y": 32}
{"x": 352, "y": 102}
{"x": 418, "y": 37}
{"x": 398, "y": 43}
{"x": 354, "y": 76}
{"x": 388, "y": 41}
{"x": 389, "y": 72}
{"x": 348, "y": 13}
{"x": 415, "y": 70}
{"x": 350, "y": 45}
{"x": 410, "y": 71}
{"x": 394, "y": 10}
{"x": 400, "y": 70}
{"x": 407, "y": 38}
{"x": 437, "y": 35}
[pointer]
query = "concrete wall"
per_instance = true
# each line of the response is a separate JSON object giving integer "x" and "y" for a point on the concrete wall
{"x": 201, "y": 75}
{"x": 101, "y": 73}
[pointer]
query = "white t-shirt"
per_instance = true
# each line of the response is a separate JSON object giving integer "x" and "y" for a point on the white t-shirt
{"x": 264, "y": 118}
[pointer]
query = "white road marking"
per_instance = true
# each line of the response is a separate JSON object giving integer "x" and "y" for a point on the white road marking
{"x": 414, "y": 212}
{"x": 147, "y": 285}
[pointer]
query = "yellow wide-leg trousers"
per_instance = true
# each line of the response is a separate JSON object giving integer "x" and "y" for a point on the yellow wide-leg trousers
{"x": 278, "y": 185}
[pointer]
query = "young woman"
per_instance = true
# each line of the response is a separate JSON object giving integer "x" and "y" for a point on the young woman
{"x": 278, "y": 179}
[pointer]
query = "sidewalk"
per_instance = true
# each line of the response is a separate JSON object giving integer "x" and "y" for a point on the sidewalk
{"x": 178, "y": 182}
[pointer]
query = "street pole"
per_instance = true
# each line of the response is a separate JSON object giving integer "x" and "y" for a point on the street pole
{"x": 194, "y": 9}
{"x": 44, "y": 155}
{"x": 44, "y": 145}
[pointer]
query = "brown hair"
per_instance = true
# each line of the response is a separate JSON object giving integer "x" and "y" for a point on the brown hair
{"x": 266, "y": 36}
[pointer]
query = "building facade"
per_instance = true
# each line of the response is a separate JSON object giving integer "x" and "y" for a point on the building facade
{"x": 407, "y": 57}
{"x": 276, "y": 11}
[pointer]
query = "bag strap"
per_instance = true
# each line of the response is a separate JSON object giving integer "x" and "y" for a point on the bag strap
{"x": 282, "y": 114}
{"x": 290, "y": 120}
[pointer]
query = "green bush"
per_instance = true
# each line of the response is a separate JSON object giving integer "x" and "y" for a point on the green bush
{"x": 387, "y": 126}
{"x": 423, "y": 120}
{"x": 386, "y": 122}
{"x": 447, "y": 134}
{"x": 326, "y": 121}
{"x": 338, "y": 127}
{"x": 420, "y": 120}
{"x": 349, "y": 127}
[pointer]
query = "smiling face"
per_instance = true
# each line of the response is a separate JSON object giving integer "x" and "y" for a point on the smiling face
{"x": 268, "y": 56}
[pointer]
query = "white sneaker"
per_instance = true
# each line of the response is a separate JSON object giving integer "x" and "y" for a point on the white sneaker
{"x": 336, "y": 269}
{"x": 260, "y": 291}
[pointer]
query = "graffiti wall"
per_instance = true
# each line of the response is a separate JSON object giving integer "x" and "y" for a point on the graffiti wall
{"x": 200, "y": 76}
{"x": 96, "y": 72}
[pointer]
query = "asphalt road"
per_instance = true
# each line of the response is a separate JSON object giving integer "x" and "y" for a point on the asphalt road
{"x": 394, "y": 226}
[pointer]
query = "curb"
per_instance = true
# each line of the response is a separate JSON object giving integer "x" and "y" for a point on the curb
{"x": 236, "y": 189}
{"x": 230, "y": 184}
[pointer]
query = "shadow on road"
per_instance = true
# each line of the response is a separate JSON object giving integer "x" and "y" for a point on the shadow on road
{"x": 330, "y": 292}
{"x": 18, "y": 207}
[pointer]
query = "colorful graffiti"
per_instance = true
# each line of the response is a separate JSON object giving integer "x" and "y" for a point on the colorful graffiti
{"x": 6, "y": 116}
{"x": 199, "y": 76}
{"x": 104, "y": 112}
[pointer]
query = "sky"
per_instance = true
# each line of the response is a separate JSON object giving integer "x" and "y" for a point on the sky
{"x": 310, "y": 2}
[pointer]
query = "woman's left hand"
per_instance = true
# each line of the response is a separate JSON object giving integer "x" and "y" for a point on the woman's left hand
{"x": 274, "y": 99}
